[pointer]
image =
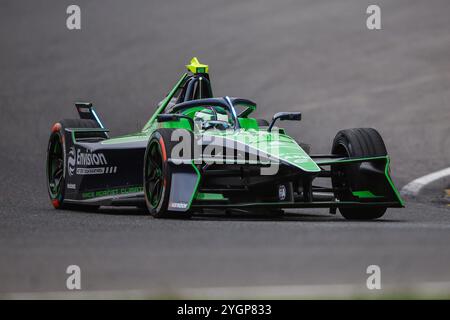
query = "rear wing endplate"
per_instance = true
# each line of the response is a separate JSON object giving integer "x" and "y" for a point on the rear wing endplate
{"x": 86, "y": 111}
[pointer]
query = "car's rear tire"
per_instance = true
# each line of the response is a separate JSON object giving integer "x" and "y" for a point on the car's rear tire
{"x": 56, "y": 162}
{"x": 359, "y": 142}
{"x": 158, "y": 174}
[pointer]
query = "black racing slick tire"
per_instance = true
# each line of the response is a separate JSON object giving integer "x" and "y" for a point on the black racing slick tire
{"x": 56, "y": 165}
{"x": 158, "y": 174}
{"x": 359, "y": 142}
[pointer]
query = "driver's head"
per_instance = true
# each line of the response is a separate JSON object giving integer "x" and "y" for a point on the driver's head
{"x": 209, "y": 113}
{"x": 206, "y": 114}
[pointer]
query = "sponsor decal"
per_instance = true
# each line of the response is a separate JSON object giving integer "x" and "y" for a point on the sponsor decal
{"x": 87, "y": 163}
{"x": 282, "y": 192}
{"x": 71, "y": 161}
{"x": 71, "y": 186}
{"x": 178, "y": 205}
{"x": 85, "y": 171}
{"x": 111, "y": 192}
{"x": 89, "y": 158}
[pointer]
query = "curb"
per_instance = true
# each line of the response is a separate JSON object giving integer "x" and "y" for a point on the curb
{"x": 433, "y": 181}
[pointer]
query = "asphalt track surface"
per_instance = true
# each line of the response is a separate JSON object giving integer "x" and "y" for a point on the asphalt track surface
{"x": 316, "y": 57}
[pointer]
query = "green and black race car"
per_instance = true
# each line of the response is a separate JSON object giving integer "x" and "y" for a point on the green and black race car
{"x": 200, "y": 152}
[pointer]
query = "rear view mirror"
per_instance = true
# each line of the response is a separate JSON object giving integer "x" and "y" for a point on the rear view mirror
{"x": 293, "y": 116}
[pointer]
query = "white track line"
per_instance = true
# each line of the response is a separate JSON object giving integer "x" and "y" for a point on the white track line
{"x": 414, "y": 187}
{"x": 342, "y": 291}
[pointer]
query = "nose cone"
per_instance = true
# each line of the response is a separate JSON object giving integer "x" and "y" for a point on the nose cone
{"x": 287, "y": 150}
{"x": 284, "y": 148}
{"x": 273, "y": 144}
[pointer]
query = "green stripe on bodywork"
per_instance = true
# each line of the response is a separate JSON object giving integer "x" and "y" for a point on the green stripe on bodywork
{"x": 388, "y": 177}
{"x": 365, "y": 194}
{"x": 165, "y": 102}
{"x": 135, "y": 137}
{"x": 180, "y": 124}
{"x": 248, "y": 123}
{"x": 196, "y": 185}
{"x": 333, "y": 161}
{"x": 210, "y": 196}
{"x": 111, "y": 192}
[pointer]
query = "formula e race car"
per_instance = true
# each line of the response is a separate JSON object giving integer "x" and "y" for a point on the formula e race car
{"x": 199, "y": 152}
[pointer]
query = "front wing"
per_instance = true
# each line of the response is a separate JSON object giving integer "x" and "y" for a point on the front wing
{"x": 379, "y": 191}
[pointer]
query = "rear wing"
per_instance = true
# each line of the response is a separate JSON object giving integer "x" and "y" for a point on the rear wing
{"x": 86, "y": 111}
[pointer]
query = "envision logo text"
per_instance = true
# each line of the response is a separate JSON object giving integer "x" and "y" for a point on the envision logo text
{"x": 78, "y": 158}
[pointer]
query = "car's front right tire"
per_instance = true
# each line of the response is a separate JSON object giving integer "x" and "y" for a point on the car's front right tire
{"x": 360, "y": 143}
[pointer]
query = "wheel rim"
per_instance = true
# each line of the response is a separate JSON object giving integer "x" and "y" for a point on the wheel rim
{"x": 55, "y": 167}
{"x": 154, "y": 180}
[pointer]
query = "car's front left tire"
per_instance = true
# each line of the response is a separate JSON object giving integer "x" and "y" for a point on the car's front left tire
{"x": 158, "y": 174}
